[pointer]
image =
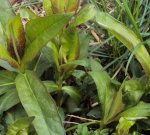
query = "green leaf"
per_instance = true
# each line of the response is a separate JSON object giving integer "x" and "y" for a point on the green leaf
{"x": 41, "y": 30}
{"x": 6, "y": 65}
{"x": 72, "y": 92}
{"x": 106, "y": 91}
{"x": 8, "y": 94}
{"x": 39, "y": 64}
{"x": 117, "y": 106}
{"x": 14, "y": 114}
{"x": 58, "y": 6}
{"x": 8, "y": 100}
{"x": 6, "y": 12}
{"x": 64, "y": 6}
{"x": 127, "y": 37}
{"x": 96, "y": 66}
{"x": 140, "y": 110}
{"x": 86, "y": 13}
{"x": 7, "y": 81}
{"x": 82, "y": 62}
{"x": 47, "y": 7}
{"x": 15, "y": 38}
{"x": 38, "y": 103}
{"x": 111, "y": 101}
{"x": 124, "y": 126}
{"x": 72, "y": 5}
{"x": 134, "y": 89}
{"x": 84, "y": 40}
{"x": 2, "y": 35}
{"x": 4, "y": 55}
{"x": 54, "y": 53}
{"x": 82, "y": 130}
{"x": 70, "y": 44}
{"x": 51, "y": 86}
{"x": 20, "y": 127}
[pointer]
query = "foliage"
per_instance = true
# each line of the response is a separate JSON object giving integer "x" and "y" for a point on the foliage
{"x": 49, "y": 70}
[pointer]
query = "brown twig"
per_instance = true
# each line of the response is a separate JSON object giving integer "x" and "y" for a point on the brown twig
{"x": 84, "y": 119}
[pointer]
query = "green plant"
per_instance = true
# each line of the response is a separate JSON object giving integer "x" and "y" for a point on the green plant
{"x": 20, "y": 49}
{"x": 54, "y": 42}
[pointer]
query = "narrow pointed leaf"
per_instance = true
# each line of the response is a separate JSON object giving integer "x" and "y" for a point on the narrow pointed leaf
{"x": 111, "y": 101}
{"x": 126, "y": 36}
{"x": 38, "y": 103}
{"x": 106, "y": 91}
{"x": 117, "y": 106}
{"x": 15, "y": 37}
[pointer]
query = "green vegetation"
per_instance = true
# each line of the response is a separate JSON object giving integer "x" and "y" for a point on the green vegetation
{"x": 81, "y": 69}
